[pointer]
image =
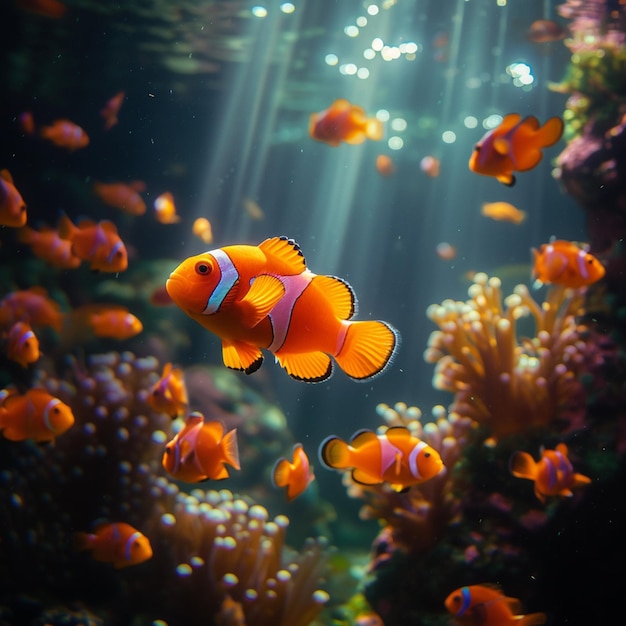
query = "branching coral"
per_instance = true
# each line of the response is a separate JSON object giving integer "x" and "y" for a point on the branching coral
{"x": 507, "y": 386}
{"x": 212, "y": 550}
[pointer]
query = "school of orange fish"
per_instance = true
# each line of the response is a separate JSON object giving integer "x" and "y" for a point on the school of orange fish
{"x": 264, "y": 297}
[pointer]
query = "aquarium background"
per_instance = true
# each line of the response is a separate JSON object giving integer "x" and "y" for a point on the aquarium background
{"x": 216, "y": 111}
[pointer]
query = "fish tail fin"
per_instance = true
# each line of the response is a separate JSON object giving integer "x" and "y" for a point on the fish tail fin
{"x": 523, "y": 465}
{"x": 83, "y": 541}
{"x": 581, "y": 479}
{"x": 281, "y": 473}
{"x": 532, "y": 619}
{"x": 66, "y": 227}
{"x": 230, "y": 449}
{"x": 335, "y": 453}
{"x": 374, "y": 129}
{"x": 551, "y": 132}
{"x": 368, "y": 348}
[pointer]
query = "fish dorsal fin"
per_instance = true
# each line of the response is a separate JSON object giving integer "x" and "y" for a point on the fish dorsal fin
{"x": 398, "y": 435}
{"x": 510, "y": 121}
{"x": 285, "y": 250}
{"x": 264, "y": 294}
{"x": 501, "y": 145}
{"x": 531, "y": 123}
{"x": 523, "y": 465}
{"x": 241, "y": 356}
{"x": 215, "y": 430}
{"x": 167, "y": 368}
{"x": 562, "y": 448}
{"x": 339, "y": 294}
{"x": 551, "y": 132}
{"x": 362, "y": 438}
{"x": 108, "y": 226}
{"x": 312, "y": 367}
{"x": 6, "y": 175}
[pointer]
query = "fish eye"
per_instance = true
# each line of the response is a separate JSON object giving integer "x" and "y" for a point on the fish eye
{"x": 168, "y": 450}
{"x": 56, "y": 410}
{"x": 477, "y": 147}
{"x": 156, "y": 393}
{"x": 203, "y": 268}
{"x": 427, "y": 455}
{"x": 27, "y": 344}
{"x": 590, "y": 261}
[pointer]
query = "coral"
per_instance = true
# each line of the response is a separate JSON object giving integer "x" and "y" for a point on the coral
{"x": 509, "y": 387}
{"x": 207, "y": 546}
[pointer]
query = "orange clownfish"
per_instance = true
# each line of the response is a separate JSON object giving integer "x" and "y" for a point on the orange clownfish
{"x": 343, "y": 121}
{"x": 201, "y": 450}
{"x": 122, "y": 196}
{"x": 564, "y": 263}
{"x": 395, "y": 457}
{"x": 165, "y": 209}
{"x": 115, "y": 322}
{"x": 48, "y": 246}
{"x": 169, "y": 394}
{"x": 111, "y": 109}
{"x": 503, "y": 212}
{"x": 65, "y": 134}
{"x": 486, "y": 605}
{"x": 12, "y": 205}
{"x": 32, "y": 304}
{"x": 514, "y": 145}
{"x": 96, "y": 242}
{"x": 553, "y": 474}
{"x": 264, "y": 296}
{"x": 118, "y": 543}
{"x": 34, "y": 415}
{"x": 296, "y": 475}
{"x": 202, "y": 229}
{"x": 22, "y": 344}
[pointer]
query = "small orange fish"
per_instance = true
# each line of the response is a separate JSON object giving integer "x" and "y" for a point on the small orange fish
{"x": 122, "y": 196}
{"x": 65, "y": 134}
{"x": 296, "y": 476}
{"x": 264, "y": 296}
{"x": 12, "y": 205}
{"x": 98, "y": 243}
{"x": 118, "y": 543}
{"x": 503, "y": 212}
{"x": 32, "y": 304}
{"x": 543, "y": 31}
{"x": 115, "y": 322}
{"x": 384, "y": 165}
{"x": 22, "y": 344}
{"x": 200, "y": 451}
{"x": 564, "y": 263}
{"x": 165, "y": 209}
{"x": 445, "y": 251}
{"x": 343, "y": 121}
{"x": 486, "y": 605}
{"x": 46, "y": 8}
{"x": 48, "y": 246}
{"x": 514, "y": 145}
{"x": 553, "y": 474}
{"x": 111, "y": 109}
{"x": 34, "y": 415}
{"x": 395, "y": 457}
{"x": 430, "y": 166}
{"x": 202, "y": 229}
{"x": 169, "y": 394}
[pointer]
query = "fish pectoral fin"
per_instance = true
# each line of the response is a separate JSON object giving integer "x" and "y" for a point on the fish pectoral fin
{"x": 241, "y": 356}
{"x": 285, "y": 250}
{"x": 311, "y": 367}
{"x": 363, "y": 478}
{"x": 506, "y": 179}
{"x": 501, "y": 145}
{"x": 263, "y": 295}
{"x": 221, "y": 474}
{"x": 399, "y": 488}
{"x": 339, "y": 294}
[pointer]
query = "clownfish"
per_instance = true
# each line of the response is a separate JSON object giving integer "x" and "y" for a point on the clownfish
{"x": 111, "y": 109}
{"x": 115, "y": 322}
{"x": 34, "y": 415}
{"x": 514, "y": 145}
{"x": 117, "y": 543}
{"x": 96, "y": 242}
{"x": 203, "y": 230}
{"x": 565, "y": 263}
{"x": 486, "y": 605}
{"x": 503, "y": 212}
{"x": 22, "y": 344}
{"x": 48, "y": 246}
{"x": 122, "y": 196}
{"x": 65, "y": 134}
{"x": 169, "y": 394}
{"x": 12, "y": 205}
{"x": 264, "y": 296}
{"x": 395, "y": 457}
{"x": 165, "y": 209}
{"x": 200, "y": 451}
{"x": 296, "y": 475}
{"x": 32, "y": 304}
{"x": 553, "y": 474}
{"x": 343, "y": 121}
